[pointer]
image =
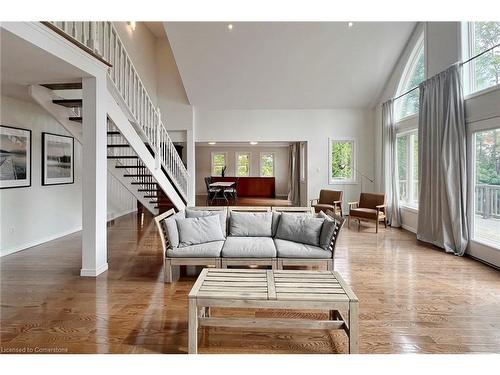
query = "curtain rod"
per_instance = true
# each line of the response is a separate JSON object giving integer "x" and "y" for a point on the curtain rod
{"x": 479, "y": 54}
{"x": 462, "y": 63}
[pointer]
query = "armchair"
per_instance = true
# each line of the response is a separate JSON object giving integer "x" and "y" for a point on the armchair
{"x": 328, "y": 200}
{"x": 371, "y": 206}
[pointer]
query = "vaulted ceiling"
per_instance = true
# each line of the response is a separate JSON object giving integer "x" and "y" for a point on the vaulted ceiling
{"x": 282, "y": 65}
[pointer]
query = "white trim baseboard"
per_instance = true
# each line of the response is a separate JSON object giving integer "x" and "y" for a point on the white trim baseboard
{"x": 91, "y": 272}
{"x": 408, "y": 228}
{"x": 43, "y": 240}
{"x": 55, "y": 236}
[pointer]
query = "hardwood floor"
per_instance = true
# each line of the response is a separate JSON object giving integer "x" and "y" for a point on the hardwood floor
{"x": 413, "y": 299}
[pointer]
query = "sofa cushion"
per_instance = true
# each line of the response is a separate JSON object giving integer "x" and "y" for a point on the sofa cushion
{"x": 169, "y": 227}
{"x": 249, "y": 247}
{"x": 250, "y": 224}
{"x": 300, "y": 228}
{"x": 290, "y": 249}
{"x": 203, "y": 250}
{"x": 327, "y": 231}
{"x": 190, "y": 213}
{"x": 198, "y": 230}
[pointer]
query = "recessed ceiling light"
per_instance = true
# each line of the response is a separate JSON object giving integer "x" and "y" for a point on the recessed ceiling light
{"x": 350, "y": 24}
{"x": 131, "y": 24}
{"x": 211, "y": 143}
{"x": 230, "y": 26}
{"x": 253, "y": 143}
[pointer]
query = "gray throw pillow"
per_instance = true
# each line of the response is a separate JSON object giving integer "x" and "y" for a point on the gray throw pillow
{"x": 201, "y": 213}
{"x": 193, "y": 231}
{"x": 276, "y": 220}
{"x": 250, "y": 224}
{"x": 304, "y": 229}
{"x": 170, "y": 229}
{"x": 327, "y": 230}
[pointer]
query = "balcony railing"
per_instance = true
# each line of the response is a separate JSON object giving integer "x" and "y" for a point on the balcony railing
{"x": 101, "y": 40}
{"x": 487, "y": 201}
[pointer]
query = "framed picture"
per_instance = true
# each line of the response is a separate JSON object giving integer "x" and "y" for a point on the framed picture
{"x": 15, "y": 157}
{"x": 57, "y": 159}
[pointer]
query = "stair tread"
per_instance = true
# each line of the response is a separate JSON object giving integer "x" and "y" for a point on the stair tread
{"x": 76, "y": 118}
{"x": 70, "y": 103}
{"x": 131, "y": 166}
{"x": 137, "y": 175}
{"x": 113, "y": 133}
{"x": 120, "y": 145}
{"x": 123, "y": 157}
{"x": 63, "y": 86}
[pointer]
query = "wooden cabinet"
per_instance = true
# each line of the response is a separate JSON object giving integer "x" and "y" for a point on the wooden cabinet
{"x": 252, "y": 186}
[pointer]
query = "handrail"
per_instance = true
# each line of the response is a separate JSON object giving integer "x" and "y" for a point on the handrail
{"x": 102, "y": 41}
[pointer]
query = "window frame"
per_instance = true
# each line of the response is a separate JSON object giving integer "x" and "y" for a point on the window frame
{"x": 409, "y": 203}
{"x": 302, "y": 162}
{"x": 236, "y": 165}
{"x": 260, "y": 162}
{"x": 212, "y": 161}
{"x": 354, "y": 159}
{"x": 468, "y": 69}
{"x": 406, "y": 75}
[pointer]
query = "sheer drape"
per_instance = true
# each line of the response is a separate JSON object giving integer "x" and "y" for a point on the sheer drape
{"x": 389, "y": 165}
{"x": 294, "y": 174}
{"x": 442, "y": 218}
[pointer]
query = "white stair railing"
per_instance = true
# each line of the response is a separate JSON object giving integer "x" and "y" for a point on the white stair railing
{"x": 103, "y": 39}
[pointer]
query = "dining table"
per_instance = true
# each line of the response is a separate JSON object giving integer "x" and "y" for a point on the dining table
{"x": 222, "y": 185}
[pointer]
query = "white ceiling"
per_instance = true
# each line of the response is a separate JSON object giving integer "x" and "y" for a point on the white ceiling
{"x": 281, "y": 65}
{"x": 23, "y": 64}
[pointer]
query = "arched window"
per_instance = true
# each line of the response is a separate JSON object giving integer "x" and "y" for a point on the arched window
{"x": 413, "y": 75}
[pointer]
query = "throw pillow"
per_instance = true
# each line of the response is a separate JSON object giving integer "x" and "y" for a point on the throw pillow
{"x": 300, "y": 228}
{"x": 327, "y": 230}
{"x": 250, "y": 224}
{"x": 222, "y": 216}
{"x": 197, "y": 230}
{"x": 170, "y": 229}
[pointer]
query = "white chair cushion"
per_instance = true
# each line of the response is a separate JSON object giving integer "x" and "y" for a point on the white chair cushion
{"x": 249, "y": 247}
{"x": 290, "y": 249}
{"x": 204, "y": 250}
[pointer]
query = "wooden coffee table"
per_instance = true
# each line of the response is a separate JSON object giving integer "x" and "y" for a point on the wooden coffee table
{"x": 272, "y": 289}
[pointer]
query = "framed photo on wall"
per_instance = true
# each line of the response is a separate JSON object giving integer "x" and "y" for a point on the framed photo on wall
{"x": 15, "y": 157}
{"x": 58, "y": 162}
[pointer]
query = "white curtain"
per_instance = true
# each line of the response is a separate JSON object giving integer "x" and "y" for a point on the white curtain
{"x": 442, "y": 217}
{"x": 389, "y": 165}
{"x": 294, "y": 174}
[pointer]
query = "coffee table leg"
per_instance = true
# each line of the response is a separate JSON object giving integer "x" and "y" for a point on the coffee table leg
{"x": 353, "y": 327}
{"x": 193, "y": 327}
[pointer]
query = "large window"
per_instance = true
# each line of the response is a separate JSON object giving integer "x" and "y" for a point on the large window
{"x": 218, "y": 162}
{"x": 407, "y": 162}
{"x": 266, "y": 164}
{"x": 486, "y": 166}
{"x": 342, "y": 161}
{"x": 243, "y": 164}
{"x": 484, "y": 70}
{"x": 413, "y": 75}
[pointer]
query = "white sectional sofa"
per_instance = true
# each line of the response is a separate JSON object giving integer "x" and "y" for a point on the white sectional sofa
{"x": 248, "y": 236}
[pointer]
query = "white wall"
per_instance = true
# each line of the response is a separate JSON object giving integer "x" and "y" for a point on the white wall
{"x": 312, "y": 126}
{"x": 36, "y": 214}
{"x": 141, "y": 46}
{"x": 281, "y": 168}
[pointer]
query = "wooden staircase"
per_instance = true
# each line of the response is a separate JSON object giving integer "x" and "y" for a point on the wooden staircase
{"x": 128, "y": 166}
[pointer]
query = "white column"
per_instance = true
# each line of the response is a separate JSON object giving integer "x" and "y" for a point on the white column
{"x": 94, "y": 184}
{"x": 190, "y": 160}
